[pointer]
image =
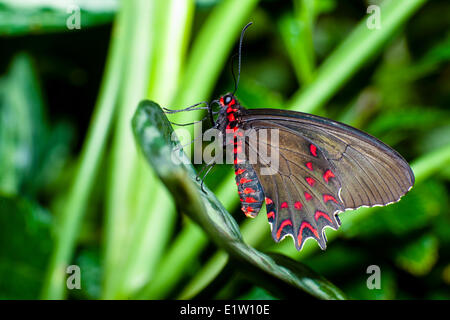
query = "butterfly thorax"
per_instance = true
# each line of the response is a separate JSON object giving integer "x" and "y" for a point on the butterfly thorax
{"x": 228, "y": 121}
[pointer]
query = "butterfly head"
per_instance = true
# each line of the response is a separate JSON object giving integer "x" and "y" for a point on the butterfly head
{"x": 227, "y": 100}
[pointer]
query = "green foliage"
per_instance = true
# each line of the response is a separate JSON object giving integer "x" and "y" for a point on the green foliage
{"x": 18, "y": 17}
{"x": 32, "y": 152}
{"x": 26, "y": 244}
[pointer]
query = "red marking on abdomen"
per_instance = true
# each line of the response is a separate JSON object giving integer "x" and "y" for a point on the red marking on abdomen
{"x": 284, "y": 205}
{"x": 308, "y": 196}
{"x": 250, "y": 200}
{"x": 271, "y": 214}
{"x": 283, "y": 224}
{"x": 310, "y": 181}
{"x": 313, "y": 150}
{"x": 327, "y": 197}
{"x": 247, "y": 211}
{"x": 303, "y": 226}
{"x": 309, "y": 166}
{"x": 328, "y": 175}
{"x": 268, "y": 200}
{"x": 238, "y": 149}
{"x": 319, "y": 214}
{"x": 245, "y": 180}
{"x": 249, "y": 190}
{"x": 239, "y": 171}
{"x": 298, "y": 205}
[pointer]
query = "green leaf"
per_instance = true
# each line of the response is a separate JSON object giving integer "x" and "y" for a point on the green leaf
{"x": 23, "y": 258}
{"x": 161, "y": 148}
{"x": 358, "y": 288}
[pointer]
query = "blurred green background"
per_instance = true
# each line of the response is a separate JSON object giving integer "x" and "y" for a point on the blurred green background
{"x": 74, "y": 190}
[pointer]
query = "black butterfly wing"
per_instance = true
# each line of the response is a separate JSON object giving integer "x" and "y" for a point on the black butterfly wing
{"x": 324, "y": 167}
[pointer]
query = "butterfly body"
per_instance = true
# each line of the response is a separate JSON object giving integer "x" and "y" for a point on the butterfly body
{"x": 325, "y": 167}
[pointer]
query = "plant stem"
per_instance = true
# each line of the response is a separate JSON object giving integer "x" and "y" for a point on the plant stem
{"x": 156, "y": 214}
{"x": 92, "y": 152}
{"x": 120, "y": 204}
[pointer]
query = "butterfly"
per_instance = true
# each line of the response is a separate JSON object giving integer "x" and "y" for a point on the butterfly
{"x": 324, "y": 167}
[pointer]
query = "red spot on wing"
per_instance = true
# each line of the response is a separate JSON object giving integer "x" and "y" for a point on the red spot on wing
{"x": 313, "y": 150}
{"x": 303, "y": 226}
{"x": 239, "y": 171}
{"x": 283, "y": 224}
{"x": 308, "y": 196}
{"x": 327, "y": 197}
{"x": 310, "y": 181}
{"x": 268, "y": 200}
{"x": 284, "y": 205}
{"x": 328, "y": 175}
{"x": 298, "y": 205}
{"x": 270, "y": 214}
{"x": 320, "y": 214}
{"x": 309, "y": 166}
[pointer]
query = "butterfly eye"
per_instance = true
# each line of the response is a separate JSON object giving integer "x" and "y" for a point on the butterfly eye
{"x": 227, "y": 99}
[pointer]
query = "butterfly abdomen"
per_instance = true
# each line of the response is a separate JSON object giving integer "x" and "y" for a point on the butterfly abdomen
{"x": 250, "y": 190}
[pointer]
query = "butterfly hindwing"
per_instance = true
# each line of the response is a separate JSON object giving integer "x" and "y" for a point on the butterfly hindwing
{"x": 324, "y": 168}
{"x": 302, "y": 196}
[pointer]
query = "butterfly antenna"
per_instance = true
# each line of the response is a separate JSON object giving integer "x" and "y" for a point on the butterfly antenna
{"x": 236, "y": 82}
